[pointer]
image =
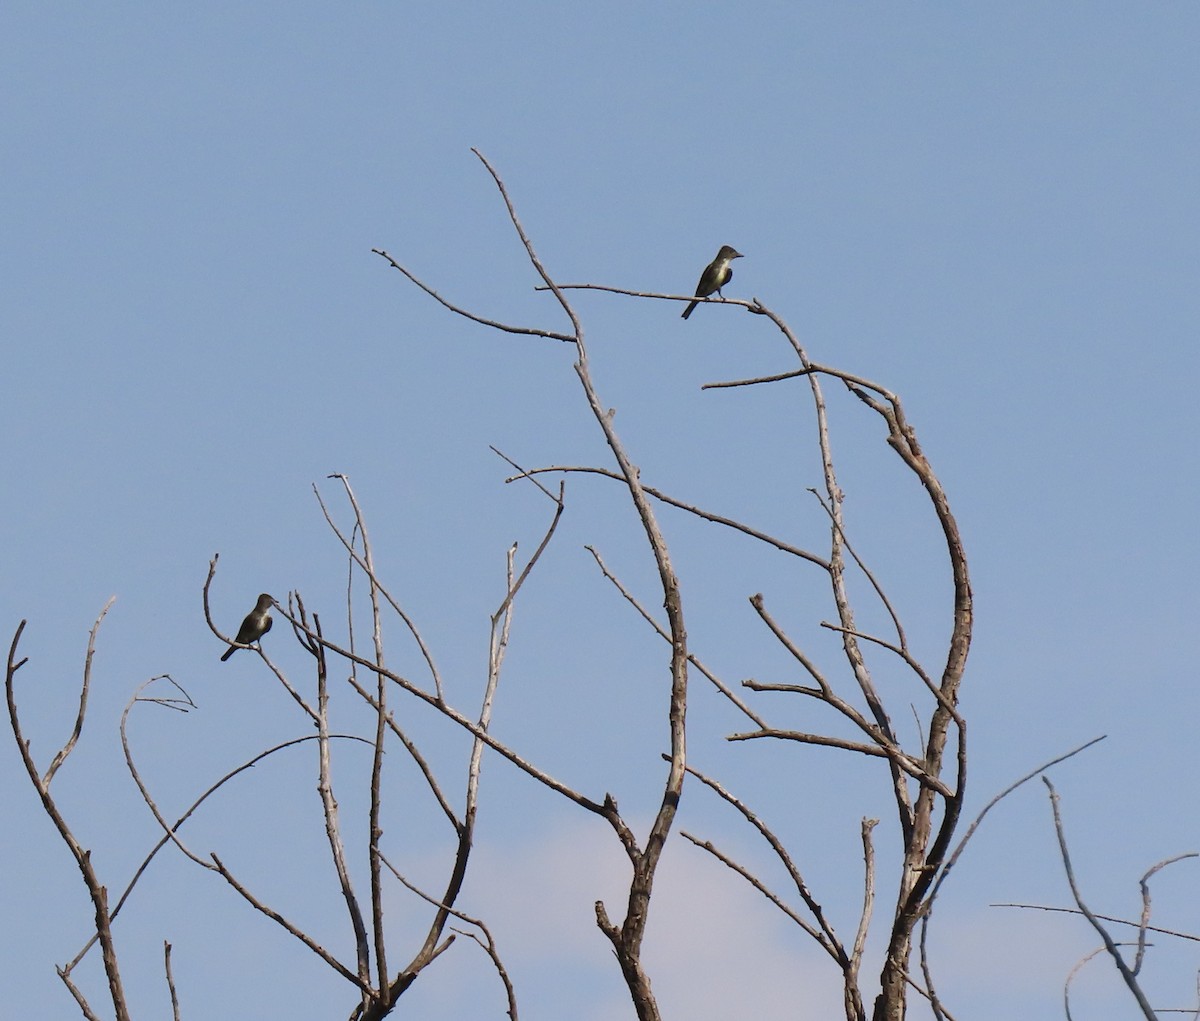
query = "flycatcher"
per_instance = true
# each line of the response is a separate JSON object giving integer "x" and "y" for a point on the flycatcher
{"x": 257, "y": 623}
{"x": 715, "y": 276}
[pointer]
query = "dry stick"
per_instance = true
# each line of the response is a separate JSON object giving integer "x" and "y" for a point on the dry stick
{"x": 217, "y": 865}
{"x": 1142, "y": 925}
{"x": 489, "y": 948}
{"x": 389, "y": 989}
{"x": 887, "y": 603}
{"x": 837, "y": 577}
{"x": 170, "y": 980}
{"x": 381, "y": 714}
{"x": 319, "y": 655}
{"x": 902, "y": 438}
{"x": 302, "y": 936}
{"x": 851, "y": 993}
{"x": 627, "y": 939}
{"x": 84, "y": 1006}
{"x": 662, "y": 633}
{"x": 528, "y": 331}
{"x": 141, "y": 785}
{"x": 884, "y": 746}
{"x": 915, "y": 822}
{"x": 408, "y": 622}
{"x": 462, "y": 721}
{"x": 952, "y": 860}
{"x": 66, "y": 749}
{"x": 1075, "y": 970}
{"x": 560, "y": 505}
{"x": 853, "y": 654}
{"x": 898, "y": 759}
{"x": 333, "y": 831}
{"x": 498, "y": 642}
{"x": 1144, "y": 922}
{"x": 827, "y": 938}
{"x": 1054, "y": 909}
{"x": 671, "y": 501}
{"x": 1128, "y": 976}
{"x": 167, "y": 837}
{"x": 735, "y": 866}
{"x": 83, "y": 858}
{"x": 415, "y": 753}
{"x": 750, "y": 306}
{"x": 911, "y": 662}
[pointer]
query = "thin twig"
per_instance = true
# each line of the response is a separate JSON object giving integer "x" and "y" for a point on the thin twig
{"x": 659, "y": 630}
{"x": 527, "y": 331}
{"x": 489, "y": 947}
{"x": 1054, "y": 909}
{"x": 170, "y": 980}
{"x": 1110, "y": 945}
{"x": 671, "y": 501}
{"x": 83, "y": 857}
{"x": 66, "y": 749}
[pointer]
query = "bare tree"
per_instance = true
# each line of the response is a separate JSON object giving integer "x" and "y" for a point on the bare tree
{"x": 925, "y": 777}
{"x": 927, "y": 789}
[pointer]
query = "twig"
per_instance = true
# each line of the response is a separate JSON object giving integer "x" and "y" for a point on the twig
{"x": 170, "y": 980}
{"x": 489, "y": 947}
{"x": 1109, "y": 944}
{"x": 83, "y": 858}
{"x": 671, "y": 501}
{"x": 527, "y": 331}
{"x": 659, "y": 630}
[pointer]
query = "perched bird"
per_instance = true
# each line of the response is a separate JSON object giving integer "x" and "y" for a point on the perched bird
{"x": 256, "y": 624}
{"x": 715, "y": 276}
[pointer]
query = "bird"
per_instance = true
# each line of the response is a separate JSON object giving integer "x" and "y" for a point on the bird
{"x": 257, "y": 623}
{"x": 715, "y": 276}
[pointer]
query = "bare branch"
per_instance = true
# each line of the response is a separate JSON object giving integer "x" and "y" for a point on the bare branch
{"x": 66, "y": 749}
{"x": 827, "y": 937}
{"x": 867, "y": 573}
{"x": 489, "y": 947}
{"x": 329, "y": 811}
{"x": 658, "y": 494}
{"x": 952, "y": 860}
{"x": 750, "y": 306}
{"x": 83, "y": 858}
{"x": 1109, "y": 944}
{"x": 408, "y": 622}
{"x": 659, "y": 630}
{"x": 527, "y": 331}
{"x": 864, "y": 921}
{"x": 1144, "y": 921}
{"x": 170, "y": 980}
{"x": 302, "y": 936}
{"x": 1104, "y": 918}
{"x": 84, "y": 1007}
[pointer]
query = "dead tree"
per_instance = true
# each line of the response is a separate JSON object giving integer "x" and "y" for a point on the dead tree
{"x": 926, "y": 779}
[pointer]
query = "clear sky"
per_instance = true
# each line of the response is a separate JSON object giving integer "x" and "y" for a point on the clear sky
{"x": 991, "y": 210}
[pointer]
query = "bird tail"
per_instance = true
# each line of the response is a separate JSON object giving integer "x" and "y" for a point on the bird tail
{"x": 229, "y": 652}
{"x": 688, "y": 311}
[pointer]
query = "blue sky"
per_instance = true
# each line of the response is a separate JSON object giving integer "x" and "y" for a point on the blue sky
{"x": 993, "y": 212}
